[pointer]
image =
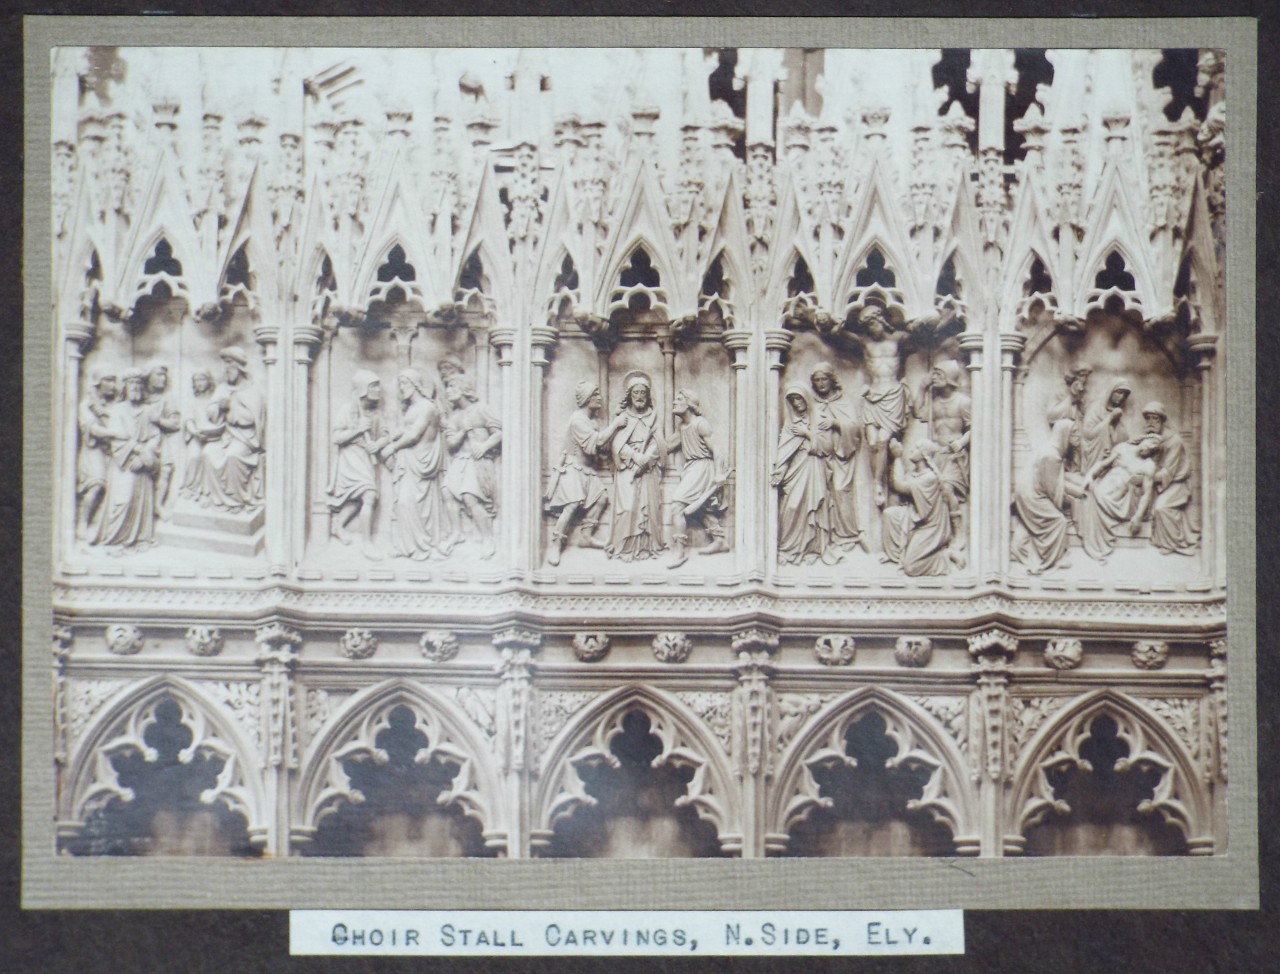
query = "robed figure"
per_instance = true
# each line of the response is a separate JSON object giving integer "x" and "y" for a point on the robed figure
{"x": 416, "y": 456}
{"x": 129, "y": 509}
{"x": 917, "y": 534}
{"x": 1041, "y": 532}
{"x": 229, "y": 472}
{"x": 804, "y": 514}
{"x": 638, "y": 451}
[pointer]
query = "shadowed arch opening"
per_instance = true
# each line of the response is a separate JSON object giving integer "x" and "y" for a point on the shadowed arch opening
{"x": 1103, "y": 802}
{"x": 636, "y": 808}
{"x": 399, "y": 784}
{"x": 163, "y": 796}
{"x": 867, "y": 796}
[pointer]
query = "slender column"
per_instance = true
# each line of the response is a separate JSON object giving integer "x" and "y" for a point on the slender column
{"x": 1011, "y": 345}
{"x": 278, "y": 649}
{"x": 992, "y": 654}
{"x": 277, "y": 446}
{"x": 513, "y": 472}
{"x": 752, "y": 707}
{"x": 1217, "y": 714}
{"x": 403, "y": 335}
{"x": 777, "y": 342}
{"x": 542, "y": 340}
{"x": 748, "y": 485}
{"x": 1204, "y": 448}
{"x": 980, "y": 446}
{"x": 77, "y": 336}
{"x": 517, "y": 647}
{"x": 321, "y": 437}
{"x": 302, "y": 438}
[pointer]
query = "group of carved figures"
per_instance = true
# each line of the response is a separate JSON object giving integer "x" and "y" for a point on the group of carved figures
{"x": 919, "y": 490}
{"x": 638, "y": 446}
{"x": 139, "y": 452}
{"x": 442, "y": 455}
{"x": 1091, "y": 473}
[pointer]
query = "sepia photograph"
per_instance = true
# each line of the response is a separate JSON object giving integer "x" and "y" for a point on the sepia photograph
{"x": 638, "y": 453}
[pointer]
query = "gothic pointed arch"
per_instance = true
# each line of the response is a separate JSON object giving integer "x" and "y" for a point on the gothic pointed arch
{"x": 163, "y": 214}
{"x": 561, "y": 240}
{"x": 687, "y": 746}
{"x": 729, "y": 244}
{"x": 1115, "y": 225}
{"x": 122, "y": 730}
{"x": 395, "y": 269}
{"x": 642, "y": 220}
{"x": 921, "y": 743}
{"x": 448, "y": 737}
{"x": 485, "y": 231}
{"x": 876, "y": 225}
{"x": 790, "y": 242}
{"x": 1030, "y": 239}
{"x": 1147, "y": 746}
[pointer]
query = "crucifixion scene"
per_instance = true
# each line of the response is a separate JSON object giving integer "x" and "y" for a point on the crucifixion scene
{"x": 639, "y": 453}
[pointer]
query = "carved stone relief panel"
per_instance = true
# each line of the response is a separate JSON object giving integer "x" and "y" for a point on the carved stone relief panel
{"x": 408, "y": 438}
{"x": 171, "y": 425}
{"x": 1106, "y": 456}
{"x": 639, "y": 443}
{"x": 872, "y": 462}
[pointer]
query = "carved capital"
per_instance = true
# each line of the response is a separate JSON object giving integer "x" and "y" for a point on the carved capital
{"x": 204, "y": 640}
{"x": 358, "y": 644}
{"x": 62, "y": 639}
{"x": 438, "y": 645}
{"x": 1011, "y": 346}
{"x": 1150, "y": 654}
{"x": 78, "y": 335}
{"x": 672, "y": 647}
{"x": 591, "y": 647}
{"x": 123, "y": 639}
{"x": 834, "y": 650}
{"x": 994, "y": 643}
{"x": 502, "y": 339}
{"x": 518, "y": 638}
{"x": 278, "y": 645}
{"x": 756, "y": 639}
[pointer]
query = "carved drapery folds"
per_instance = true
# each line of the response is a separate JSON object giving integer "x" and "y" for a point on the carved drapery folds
{"x": 703, "y": 411}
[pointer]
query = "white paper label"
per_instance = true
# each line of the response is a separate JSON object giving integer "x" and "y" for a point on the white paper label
{"x": 490, "y": 933}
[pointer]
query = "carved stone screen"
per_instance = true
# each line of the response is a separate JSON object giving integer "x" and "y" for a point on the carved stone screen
{"x": 639, "y": 453}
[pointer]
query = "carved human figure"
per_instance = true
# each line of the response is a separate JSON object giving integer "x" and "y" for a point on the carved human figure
{"x": 804, "y": 517}
{"x": 1103, "y": 425}
{"x": 887, "y": 402}
{"x": 129, "y": 509}
{"x": 1118, "y": 492}
{"x": 200, "y": 428}
{"x": 700, "y": 493}
{"x": 473, "y": 435}
{"x": 358, "y": 435}
{"x": 837, "y": 436}
{"x": 416, "y": 456}
{"x": 229, "y": 473}
{"x": 950, "y": 418}
{"x": 95, "y": 450}
{"x": 638, "y": 449}
{"x": 575, "y": 485}
{"x": 1040, "y": 532}
{"x": 1171, "y": 528}
{"x": 1071, "y": 406}
{"x": 168, "y": 421}
{"x": 447, "y": 368}
{"x": 917, "y": 534}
